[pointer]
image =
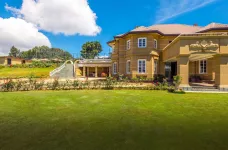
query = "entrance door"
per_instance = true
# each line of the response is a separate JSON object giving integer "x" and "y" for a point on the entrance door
{"x": 173, "y": 69}
{"x": 9, "y": 61}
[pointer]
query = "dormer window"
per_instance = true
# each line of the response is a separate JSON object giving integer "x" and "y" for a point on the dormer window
{"x": 142, "y": 42}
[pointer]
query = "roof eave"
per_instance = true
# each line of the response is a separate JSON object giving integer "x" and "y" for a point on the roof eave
{"x": 150, "y": 31}
{"x": 211, "y": 29}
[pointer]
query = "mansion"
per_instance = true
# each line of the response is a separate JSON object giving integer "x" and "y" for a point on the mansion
{"x": 173, "y": 49}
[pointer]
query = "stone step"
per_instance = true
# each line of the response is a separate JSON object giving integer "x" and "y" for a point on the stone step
{"x": 204, "y": 87}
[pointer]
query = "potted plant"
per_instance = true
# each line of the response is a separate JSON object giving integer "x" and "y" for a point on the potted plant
{"x": 103, "y": 74}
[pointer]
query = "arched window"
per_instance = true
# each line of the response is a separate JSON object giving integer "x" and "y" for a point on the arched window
{"x": 155, "y": 44}
{"x": 114, "y": 68}
{"x": 128, "y": 67}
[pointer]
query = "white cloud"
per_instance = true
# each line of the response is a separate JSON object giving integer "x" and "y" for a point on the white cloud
{"x": 172, "y": 8}
{"x": 21, "y": 34}
{"x": 69, "y": 17}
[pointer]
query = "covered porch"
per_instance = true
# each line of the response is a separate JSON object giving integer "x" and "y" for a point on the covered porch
{"x": 201, "y": 68}
{"x": 200, "y": 62}
{"x": 93, "y": 68}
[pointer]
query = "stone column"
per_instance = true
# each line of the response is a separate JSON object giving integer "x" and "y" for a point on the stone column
{"x": 96, "y": 72}
{"x": 84, "y": 72}
{"x": 183, "y": 70}
{"x": 221, "y": 71}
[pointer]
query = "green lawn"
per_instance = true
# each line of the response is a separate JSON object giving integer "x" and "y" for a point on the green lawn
{"x": 24, "y": 72}
{"x": 113, "y": 120}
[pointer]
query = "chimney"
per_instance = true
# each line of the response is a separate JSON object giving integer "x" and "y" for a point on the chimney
{"x": 136, "y": 27}
{"x": 195, "y": 24}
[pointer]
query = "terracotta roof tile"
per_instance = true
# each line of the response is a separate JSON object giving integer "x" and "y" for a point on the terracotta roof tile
{"x": 213, "y": 26}
{"x": 176, "y": 28}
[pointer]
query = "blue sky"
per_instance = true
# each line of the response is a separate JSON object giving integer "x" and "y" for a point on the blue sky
{"x": 119, "y": 16}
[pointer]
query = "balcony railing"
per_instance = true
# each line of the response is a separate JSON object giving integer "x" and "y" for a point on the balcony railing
{"x": 95, "y": 61}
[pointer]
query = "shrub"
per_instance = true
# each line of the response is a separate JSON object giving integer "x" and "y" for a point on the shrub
{"x": 39, "y": 85}
{"x": 35, "y": 64}
{"x": 159, "y": 78}
{"x": 75, "y": 84}
{"x": 177, "y": 81}
{"x": 8, "y": 85}
{"x": 96, "y": 84}
{"x": 109, "y": 83}
{"x": 55, "y": 84}
{"x": 18, "y": 85}
{"x": 1, "y": 66}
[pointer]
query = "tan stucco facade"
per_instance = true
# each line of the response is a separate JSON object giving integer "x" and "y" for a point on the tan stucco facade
{"x": 121, "y": 54}
{"x": 187, "y": 51}
{"x": 6, "y": 60}
{"x": 188, "y": 55}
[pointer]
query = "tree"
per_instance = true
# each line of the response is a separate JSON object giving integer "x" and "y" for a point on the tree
{"x": 14, "y": 52}
{"x": 91, "y": 49}
{"x": 41, "y": 52}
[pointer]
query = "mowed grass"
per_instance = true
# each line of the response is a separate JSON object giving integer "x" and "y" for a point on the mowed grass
{"x": 24, "y": 72}
{"x": 113, "y": 120}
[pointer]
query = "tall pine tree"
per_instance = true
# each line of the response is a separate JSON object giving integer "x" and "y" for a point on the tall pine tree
{"x": 14, "y": 52}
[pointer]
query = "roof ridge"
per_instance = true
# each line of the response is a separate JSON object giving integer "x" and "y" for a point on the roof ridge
{"x": 214, "y": 23}
{"x": 187, "y": 25}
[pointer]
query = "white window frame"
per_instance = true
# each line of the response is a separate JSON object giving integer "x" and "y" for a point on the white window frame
{"x": 155, "y": 44}
{"x": 143, "y": 46}
{"x": 155, "y": 66}
{"x": 114, "y": 68}
{"x": 204, "y": 67}
{"x": 141, "y": 66}
{"x": 128, "y": 44}
{"x": 128, "y": 67}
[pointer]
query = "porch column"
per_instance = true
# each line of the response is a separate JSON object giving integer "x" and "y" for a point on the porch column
{"x": 84, "y": 72}
{"x": 87, "y": 71}
{"x": 110, "y": 71}
{"x": 183, "y": 70}
{"x": 221, "y": 72}
{"x": 96, "y": 72}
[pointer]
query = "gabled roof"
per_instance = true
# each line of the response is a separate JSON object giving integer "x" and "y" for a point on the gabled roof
{"x": 175, "y": 29}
